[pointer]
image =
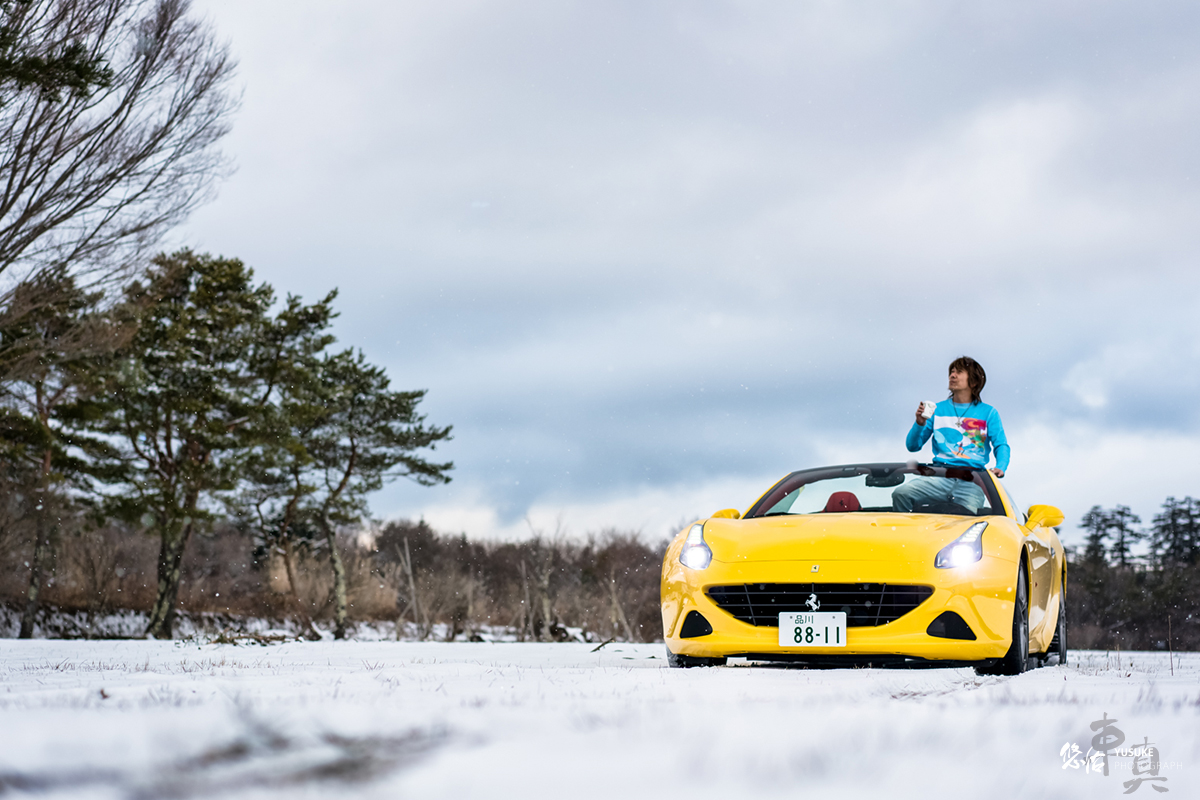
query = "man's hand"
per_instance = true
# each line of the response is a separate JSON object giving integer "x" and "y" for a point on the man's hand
{"x": 999, "y": 473}
{"x": 921, "y": 420}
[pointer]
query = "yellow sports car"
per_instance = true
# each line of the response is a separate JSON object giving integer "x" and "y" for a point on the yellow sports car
{"x": 824, "y": 570}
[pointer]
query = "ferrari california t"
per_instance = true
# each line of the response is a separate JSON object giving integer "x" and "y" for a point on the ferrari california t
{"x": 856, "y": 565}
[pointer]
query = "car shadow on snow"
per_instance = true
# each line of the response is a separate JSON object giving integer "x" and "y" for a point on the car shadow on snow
{"x": 847, "y": 662}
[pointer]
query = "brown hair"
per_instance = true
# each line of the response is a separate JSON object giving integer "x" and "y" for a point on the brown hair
{"x": 976, "y": 377}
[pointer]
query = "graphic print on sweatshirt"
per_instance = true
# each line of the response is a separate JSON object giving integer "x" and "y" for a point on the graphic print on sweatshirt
{"x": 964, "y": 438}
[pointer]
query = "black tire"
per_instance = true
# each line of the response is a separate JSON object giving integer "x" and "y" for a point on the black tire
{"x": 1058, "y": 645}
{"x": 687, "y": 662}
{"x": 1016, "y": 660}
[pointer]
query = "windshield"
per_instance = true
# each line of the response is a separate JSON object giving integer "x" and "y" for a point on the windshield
{"x": 876, "y": 488}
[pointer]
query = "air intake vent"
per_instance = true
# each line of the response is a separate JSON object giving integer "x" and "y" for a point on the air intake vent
{"x": 694, "y": 624}
{"x": 866, "y": 604}
{"x": 949, "y": 625}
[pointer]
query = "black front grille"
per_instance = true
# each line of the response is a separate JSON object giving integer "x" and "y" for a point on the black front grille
{"x": 865, "y": 604}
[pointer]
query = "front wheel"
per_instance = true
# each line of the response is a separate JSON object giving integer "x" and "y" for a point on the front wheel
{"x": 686, "y": 662}
{"x": 1016, "y": 660}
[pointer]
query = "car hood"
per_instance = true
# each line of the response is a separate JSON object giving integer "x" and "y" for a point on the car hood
{"x": 833, "y": 537}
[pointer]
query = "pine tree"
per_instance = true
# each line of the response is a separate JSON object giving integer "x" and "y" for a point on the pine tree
{"x": 332, "y": 431}
{"x": 1096, "y": 523}
{"x": 366, "y": 435}
{"x": 179, "y": 404}
{"x": 279, "y": 471}
{"x": 1116, "y": 526}
{"x": 1124, "y": 534}
{"x": 1175, "y": 533}
{"x": 53, "y": 338}
{"x": 49, "y": 65}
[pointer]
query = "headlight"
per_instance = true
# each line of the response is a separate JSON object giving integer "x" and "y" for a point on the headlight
{"x": 695, "y": 553}
{"x": 966, "y": 549}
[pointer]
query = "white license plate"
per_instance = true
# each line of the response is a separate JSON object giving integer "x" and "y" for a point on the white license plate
{"x": 812, "y": 629}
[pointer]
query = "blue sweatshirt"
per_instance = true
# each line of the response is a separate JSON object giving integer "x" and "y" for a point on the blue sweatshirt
{"x": 962, "y": 435}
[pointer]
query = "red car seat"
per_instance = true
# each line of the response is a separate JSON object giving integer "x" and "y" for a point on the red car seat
{"x": 841, "y": 502}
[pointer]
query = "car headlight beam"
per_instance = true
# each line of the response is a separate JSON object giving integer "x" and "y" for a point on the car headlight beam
{"x": 965, "y": 550}
{"x": 696, "y": 553}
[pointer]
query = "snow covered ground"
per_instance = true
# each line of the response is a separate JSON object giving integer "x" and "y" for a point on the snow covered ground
{"x": 146, "y": 719}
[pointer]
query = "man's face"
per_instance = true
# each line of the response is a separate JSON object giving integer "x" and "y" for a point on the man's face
{"x": 958, "y": 380}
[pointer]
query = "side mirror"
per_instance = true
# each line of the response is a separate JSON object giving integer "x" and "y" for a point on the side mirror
{"x": 728, "y": 513}
{"x": 1043, "y": 517}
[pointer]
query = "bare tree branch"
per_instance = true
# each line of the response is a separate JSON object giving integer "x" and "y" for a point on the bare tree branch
{"x": 92, "y": 179}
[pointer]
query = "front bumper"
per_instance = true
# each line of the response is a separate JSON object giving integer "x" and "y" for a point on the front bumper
{"x": 981, "y": 593}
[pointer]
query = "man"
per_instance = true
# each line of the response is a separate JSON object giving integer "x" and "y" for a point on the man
{"x": 965, "y": 430}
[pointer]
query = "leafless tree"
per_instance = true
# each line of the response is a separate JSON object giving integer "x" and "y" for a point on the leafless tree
{"x": 409, "y": 600}
{"x": 90, "y": 178}
{"x": 526, "y": 628}
{"x": 618, "y": 612}
{"x": 94, "y": 556}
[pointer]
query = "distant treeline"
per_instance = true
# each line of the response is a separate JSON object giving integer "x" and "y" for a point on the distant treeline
{"x": 1132, "y": 585}
{"x": 433, "y": 585}
{"x": 1128, "y": 584}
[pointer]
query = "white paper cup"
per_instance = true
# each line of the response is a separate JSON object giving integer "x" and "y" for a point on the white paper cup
{"x": 927, "y": 408}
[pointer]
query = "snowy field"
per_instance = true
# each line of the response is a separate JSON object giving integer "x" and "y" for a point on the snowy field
{"x": 145, "y": 719}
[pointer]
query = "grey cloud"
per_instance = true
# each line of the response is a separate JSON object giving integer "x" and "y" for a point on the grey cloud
{"x": 629, "y": 246}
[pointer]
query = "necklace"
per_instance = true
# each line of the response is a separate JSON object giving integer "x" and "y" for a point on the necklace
{"x": 955, "y": 405}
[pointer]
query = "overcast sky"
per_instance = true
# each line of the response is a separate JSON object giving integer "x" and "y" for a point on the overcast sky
{"x": 649, "y": 257}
